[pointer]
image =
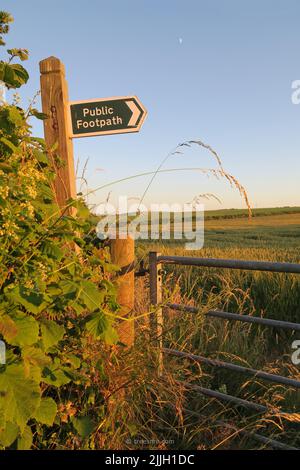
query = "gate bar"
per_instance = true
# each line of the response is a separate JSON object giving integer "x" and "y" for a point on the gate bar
{"x": 224, "y": 397}
{"x": 227, "y": 365}
{"x": 232, "y": 264}
{"x": 238, "y": 317}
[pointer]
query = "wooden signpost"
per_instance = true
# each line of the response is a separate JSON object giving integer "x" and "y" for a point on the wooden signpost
{"x": 55, "y": 101}
{"x": 106, "y": 116}
{"x": 67, "y": 120}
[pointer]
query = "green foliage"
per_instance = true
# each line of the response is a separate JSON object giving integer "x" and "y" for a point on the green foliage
{"x": 5, "y": 20}
{"x": 51, "y": 333}
{"x": 25, "y": 440}
{"x": 8, "y": 433}
{"x": 13, "y": 75}
{"x": 20, "y": 395}
{"x": 49, "y": 288}
{"x": 46, "y": 412}
{"x": 83, "y": 425}
{"x": 100, "y": 327}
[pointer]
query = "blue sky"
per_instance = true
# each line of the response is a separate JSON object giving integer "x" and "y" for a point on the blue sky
{"x": 211, "y": 70}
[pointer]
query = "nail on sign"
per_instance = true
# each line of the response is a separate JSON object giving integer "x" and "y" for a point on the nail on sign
{"x": 106, "y": 116}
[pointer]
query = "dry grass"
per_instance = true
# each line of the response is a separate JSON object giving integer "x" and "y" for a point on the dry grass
{"x": 161, "y": 412}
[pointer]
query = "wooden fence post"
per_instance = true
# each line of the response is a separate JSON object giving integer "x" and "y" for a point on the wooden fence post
{"x": 54, "y": 94}
{"x": 122, "y": 254}
{"x": 156, "y": 318}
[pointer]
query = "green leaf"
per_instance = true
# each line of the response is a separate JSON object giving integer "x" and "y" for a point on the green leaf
{"x": 91, "y": 295}
{"x": 15, "y": 116}
{"x": 32, "y": 300}
{"x": 51, "y": 250}
{"x": 46, "y": 193}
{"x": 8, "y": 433}
{"x": 10, "y": 145}
{"x": 25, "y": 440}
{"x": 73, "y": 360}
{"x": 41, "y": 156}
{"x": 84, "y": 425}
{"x": 79, "y": 309}
{"x": 8, "y": 328}
{"x": 99, "y": 326}
{"x": 27, "y": 331}
{"x": 46, "y": 412}
{"x": 34, "y": 112}
{"x": 69, "y": 287}
{"x": 53, "y": 289}
{"x": 39, "y": 140}
{"x": 34, "y": 356}
{"x": 21, "y": 53}
{"x": 110, "y": 335}
{"x": 82, "y": 210}
{"x": 33, "y": 372}
{"x": 55, "y": 375}
{"x": 52, "y": 333}
{"x": 13, "y": 75}
{"x": 19, "y": 395}
{"x": 96, "y": 324}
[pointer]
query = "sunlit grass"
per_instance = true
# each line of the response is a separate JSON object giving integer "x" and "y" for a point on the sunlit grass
{"x": 160, "y": 406}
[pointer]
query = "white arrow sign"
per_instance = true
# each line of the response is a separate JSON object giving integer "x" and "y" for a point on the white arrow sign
{"x": 106, "y": 116}
{"x": 135, "y": 113}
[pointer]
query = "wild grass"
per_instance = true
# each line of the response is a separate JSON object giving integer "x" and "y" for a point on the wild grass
{"x": 168, "y": 415}
{"x": 160, "y": 412}
{"x": 149, "y": 410}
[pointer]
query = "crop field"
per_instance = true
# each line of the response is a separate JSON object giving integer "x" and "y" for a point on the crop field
{"x": 243, "y": 213}
{"x": 276, "y": 229}
{"x": 273, "y": 237}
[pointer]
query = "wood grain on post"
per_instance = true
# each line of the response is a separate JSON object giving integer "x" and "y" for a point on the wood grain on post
{"x": 122, "y": 255}
{"x": 55, "y": 100}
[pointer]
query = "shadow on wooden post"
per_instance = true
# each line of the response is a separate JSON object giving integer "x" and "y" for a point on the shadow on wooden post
{"x": 156, "y": 318}
{"x": 122, "y": 254}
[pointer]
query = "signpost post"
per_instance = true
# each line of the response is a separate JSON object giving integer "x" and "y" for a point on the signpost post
{"x": 55, "y": 100}
{"x": 68, "y": 120}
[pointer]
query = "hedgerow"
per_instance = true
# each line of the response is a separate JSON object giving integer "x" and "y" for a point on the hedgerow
{"x": 57, "y": 300}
